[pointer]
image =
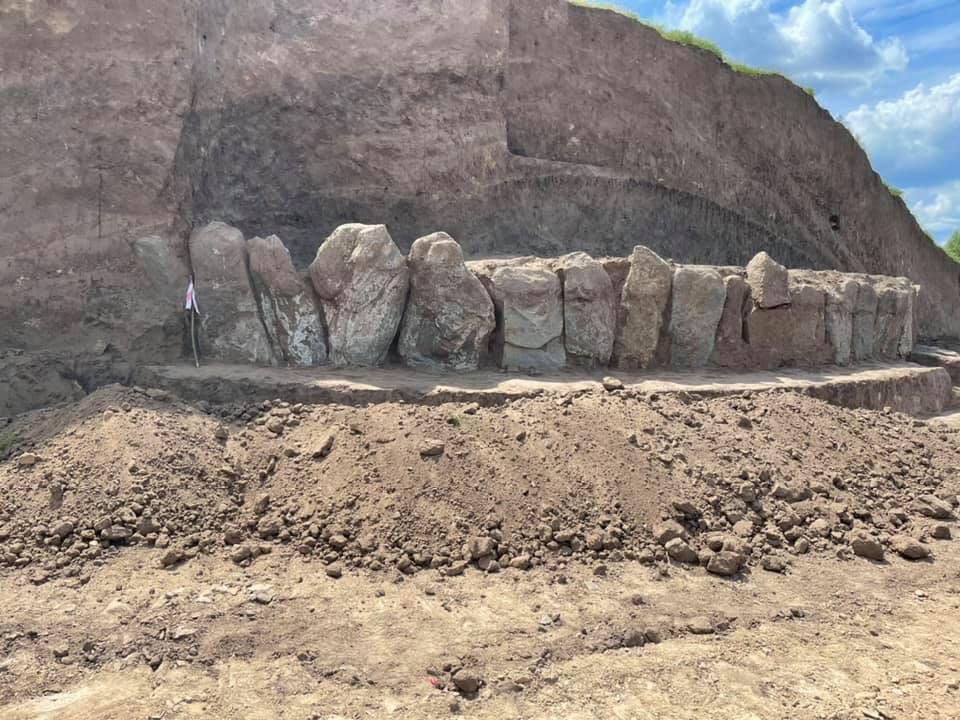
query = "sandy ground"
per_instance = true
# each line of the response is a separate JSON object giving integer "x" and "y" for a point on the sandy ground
{"x": 951, "y": 418}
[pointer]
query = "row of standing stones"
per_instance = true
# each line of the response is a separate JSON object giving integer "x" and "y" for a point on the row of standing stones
{"x": 361, "y": 300}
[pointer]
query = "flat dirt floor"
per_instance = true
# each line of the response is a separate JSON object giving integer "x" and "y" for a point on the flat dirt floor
{"x": 830, "y": 640}
{"x": 547, "y": 557}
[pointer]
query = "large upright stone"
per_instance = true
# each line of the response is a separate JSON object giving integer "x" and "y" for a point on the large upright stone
{"x": 808, "y": 305}
{"x": 643, "y": 303}
{"x": 449, "y": 315}
{"x": 769, "y": 332}
{"x": 864, "y": 321}
{"x": 166, "y": 271}
{"x": 840, "y": 308}
{"x": 530, "y": 308}
{"x": 286, "y": 299}
{"x": 167, "y": 277}
{"x": 768, "y": 282}
{"x": 730, "y": 348}
{"x": 894, "y": 306}
{"x": 231, "y": 327}
{"x": 589, "y": 310}
{"x": 362, "y": 279}
{"x": 698, "y": 299}
{"x": 793, "y": 334}
{"x": 908, "y": 339}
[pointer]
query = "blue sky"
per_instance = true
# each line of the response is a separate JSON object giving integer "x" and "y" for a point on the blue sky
{"x": 889, "y": 69}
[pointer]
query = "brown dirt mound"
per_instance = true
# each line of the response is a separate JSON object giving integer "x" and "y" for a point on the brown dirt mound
{"x": 591, "y": 477}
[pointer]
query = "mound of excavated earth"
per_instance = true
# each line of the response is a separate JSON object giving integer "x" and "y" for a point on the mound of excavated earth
{"x": 730, "y": 484}
{"x": 603, "y": 550}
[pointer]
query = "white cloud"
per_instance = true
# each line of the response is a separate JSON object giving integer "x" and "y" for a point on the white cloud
{"x": 914, "y": 136}
{"x": 937, "y": 209}
{"x": 914, "y": 139}
{"x": 817, "y": 42}
{"x": 733, "y": 24}
{"x": 826, "y": 43}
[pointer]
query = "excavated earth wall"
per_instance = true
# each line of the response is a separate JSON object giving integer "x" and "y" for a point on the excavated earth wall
{"x": 362, "y": 303}
{"x": 518, "y": 126}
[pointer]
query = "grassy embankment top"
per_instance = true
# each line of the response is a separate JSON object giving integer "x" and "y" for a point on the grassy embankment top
{"x": 685, "y": 37}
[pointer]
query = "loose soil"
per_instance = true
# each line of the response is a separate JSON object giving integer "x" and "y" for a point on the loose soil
{"x": 589, "y": 554}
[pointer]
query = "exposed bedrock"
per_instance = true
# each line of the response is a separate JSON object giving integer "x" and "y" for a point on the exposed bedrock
{"x": 361, "y": 279}
{"x": 449, "y": 315}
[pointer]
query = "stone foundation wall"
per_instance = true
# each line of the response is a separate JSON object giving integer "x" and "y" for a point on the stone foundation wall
{"x": 362, "y": 303}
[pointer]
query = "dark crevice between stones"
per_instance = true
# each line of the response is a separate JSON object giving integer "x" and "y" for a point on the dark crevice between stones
{"x": 744, "y": 313}
{"x": 318, "y": 308}
{"x": 393, "y": 352}
{"x": 571, "y": 358}
{"x": 665, "y": 340}
{"x": 275, "y": 352}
